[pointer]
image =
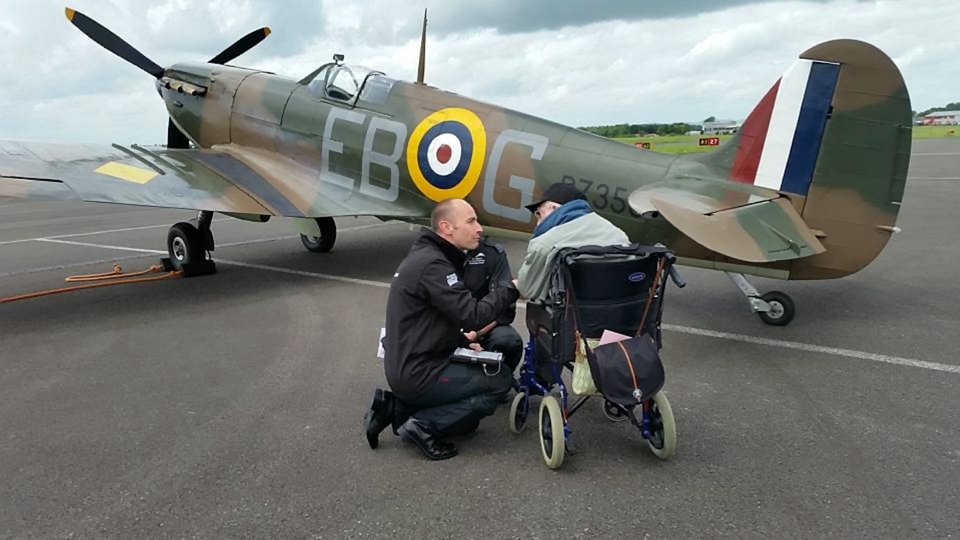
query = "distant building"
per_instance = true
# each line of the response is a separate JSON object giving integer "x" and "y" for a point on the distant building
{"x": 942, "y": 118}
{"x": 721, "y": 127}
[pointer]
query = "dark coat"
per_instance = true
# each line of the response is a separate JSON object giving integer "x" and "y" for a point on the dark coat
{"x": 427, "y": 310}
{"x": 487, "y": 267}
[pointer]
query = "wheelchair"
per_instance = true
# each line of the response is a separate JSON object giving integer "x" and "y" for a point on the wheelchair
{"x": 593, "y": 288}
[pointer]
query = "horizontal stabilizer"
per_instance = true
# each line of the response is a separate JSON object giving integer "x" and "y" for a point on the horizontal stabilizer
{"x": 752, "y": 225}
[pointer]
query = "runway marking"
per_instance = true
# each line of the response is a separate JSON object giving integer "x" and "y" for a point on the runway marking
{"x": 93, "y": 233}
{"x": 146, "y": 252}
{"x": 806, "y": 347}
{"x": 87, "y": 244}
{"x": 331, "y": 277}
{"x": 43, "y": 269}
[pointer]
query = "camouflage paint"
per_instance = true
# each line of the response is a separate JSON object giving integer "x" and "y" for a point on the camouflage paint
{"x": 276, "y": 146}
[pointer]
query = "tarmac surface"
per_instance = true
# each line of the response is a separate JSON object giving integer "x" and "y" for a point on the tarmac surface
{"x": 230, "y": 405}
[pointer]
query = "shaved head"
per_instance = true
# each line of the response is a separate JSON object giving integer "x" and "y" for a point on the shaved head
{"x": 456, "y": 221}
{"x": 443, "y": 212}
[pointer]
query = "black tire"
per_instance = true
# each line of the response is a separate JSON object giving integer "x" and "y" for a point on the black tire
{"x": 613, "y": 413}
{"x": 327, "y": 238}
{"x": 184, "y": 245}
{"x": 518, "y": 412}
{"x": 781, "y": 311}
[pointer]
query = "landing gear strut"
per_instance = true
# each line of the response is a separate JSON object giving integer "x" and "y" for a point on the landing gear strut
{"x": 189, "y": 245}
{"x": 774, "y": 308}
{"x": 324, "y": 242}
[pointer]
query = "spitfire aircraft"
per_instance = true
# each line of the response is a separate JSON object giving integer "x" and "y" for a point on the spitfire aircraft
{"x": 809, "y": 188}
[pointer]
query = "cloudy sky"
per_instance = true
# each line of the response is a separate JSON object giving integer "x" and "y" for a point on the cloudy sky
{"x": 575, "y": 62}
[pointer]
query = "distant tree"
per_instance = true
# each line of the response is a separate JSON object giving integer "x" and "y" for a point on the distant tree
{"x": 640, "y": 130}
{"x": 948, "y": 107}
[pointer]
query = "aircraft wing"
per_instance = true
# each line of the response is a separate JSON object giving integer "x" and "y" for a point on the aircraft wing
{"x": 223, "y": 179}
{"x": 743, "y": 222}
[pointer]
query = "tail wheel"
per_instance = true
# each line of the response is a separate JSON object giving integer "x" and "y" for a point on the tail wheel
{"x": 518, "y": 412}
{"x": 185, "y": 245}
{"x": 663, "y": 428}
{"x": 324, "y": 242}
{"x": 781, "y": 311}
{"x": 552, "y": 440}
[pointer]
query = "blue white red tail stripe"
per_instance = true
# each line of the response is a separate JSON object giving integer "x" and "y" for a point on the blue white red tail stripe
{"x": 780, "y": 140}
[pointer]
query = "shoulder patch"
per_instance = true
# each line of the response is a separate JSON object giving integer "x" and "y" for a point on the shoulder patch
{"x": 452, "y": 279}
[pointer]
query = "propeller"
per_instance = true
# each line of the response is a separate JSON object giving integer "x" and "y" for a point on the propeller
{"x": 241, "y": 46}
{"x": 113, "y": 43}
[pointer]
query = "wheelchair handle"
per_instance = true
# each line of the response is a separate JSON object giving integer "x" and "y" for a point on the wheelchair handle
{"x": 676, "y": 278}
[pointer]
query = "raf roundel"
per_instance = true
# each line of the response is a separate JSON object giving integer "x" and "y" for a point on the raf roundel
{"x": 445, "y": 153}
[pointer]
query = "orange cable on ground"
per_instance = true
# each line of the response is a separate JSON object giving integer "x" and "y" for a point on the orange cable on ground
{"x": 117, "y": 272}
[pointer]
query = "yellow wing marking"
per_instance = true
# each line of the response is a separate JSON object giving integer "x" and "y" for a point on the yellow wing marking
{"x": 126, "y": 172}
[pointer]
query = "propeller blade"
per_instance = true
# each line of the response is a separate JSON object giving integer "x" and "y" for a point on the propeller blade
{"x": 111, "y": 42}
{"x": 175, "y": 138}
{"x": 241, "y": 46}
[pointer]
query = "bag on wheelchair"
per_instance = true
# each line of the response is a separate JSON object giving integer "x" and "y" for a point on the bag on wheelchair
{"x": 629, "y": 371}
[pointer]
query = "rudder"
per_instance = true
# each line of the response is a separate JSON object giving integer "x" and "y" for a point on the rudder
{"x": 833, "y": 135}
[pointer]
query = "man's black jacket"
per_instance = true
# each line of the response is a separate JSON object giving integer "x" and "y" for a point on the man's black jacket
{"x": 427, "y": 307}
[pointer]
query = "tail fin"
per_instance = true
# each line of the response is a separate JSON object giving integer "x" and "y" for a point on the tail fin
{"x": 833, "y": 135}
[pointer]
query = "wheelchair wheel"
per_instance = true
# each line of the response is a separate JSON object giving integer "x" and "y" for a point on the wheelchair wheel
{"x": 518, "y": 412}
{"x": 613, "y": 413}
{"x": 552, "y": 442}
{"x": 663, "y": 428}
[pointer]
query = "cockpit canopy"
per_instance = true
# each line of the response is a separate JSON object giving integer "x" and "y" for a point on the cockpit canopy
{"x": 340, "y": 82}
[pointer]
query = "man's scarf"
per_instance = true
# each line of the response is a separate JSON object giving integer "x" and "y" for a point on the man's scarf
{"x": 568, "y": 212}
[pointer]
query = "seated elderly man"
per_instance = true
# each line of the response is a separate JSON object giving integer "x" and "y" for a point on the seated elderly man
{"x": 564, "y": 219}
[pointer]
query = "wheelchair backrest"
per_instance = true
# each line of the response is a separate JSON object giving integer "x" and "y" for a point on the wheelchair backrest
{"x": 609, "y": 286}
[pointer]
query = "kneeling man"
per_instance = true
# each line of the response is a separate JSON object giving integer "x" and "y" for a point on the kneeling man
{"x": 427, "y": 310}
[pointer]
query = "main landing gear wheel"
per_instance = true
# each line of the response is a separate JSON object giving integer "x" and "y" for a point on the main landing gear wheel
{"x": 518, "y": 413}
{"x": 552, "y": 443}
{"x": 663, "y": 428}
{"x": 781, "y": 311}
{"x": 185, "y": 245}
{"x": 324, "y": 242}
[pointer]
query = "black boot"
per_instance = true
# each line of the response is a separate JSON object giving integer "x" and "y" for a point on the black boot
{"x": 379, "y": 416}
{"x": 416, "y": 432}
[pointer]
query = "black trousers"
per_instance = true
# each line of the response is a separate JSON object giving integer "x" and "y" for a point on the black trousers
{"x": 462, "y": 395}
{"x": 504, "y": 339}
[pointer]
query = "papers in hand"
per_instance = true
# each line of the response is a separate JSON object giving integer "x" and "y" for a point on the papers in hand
{"x": 470, "y": 356}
